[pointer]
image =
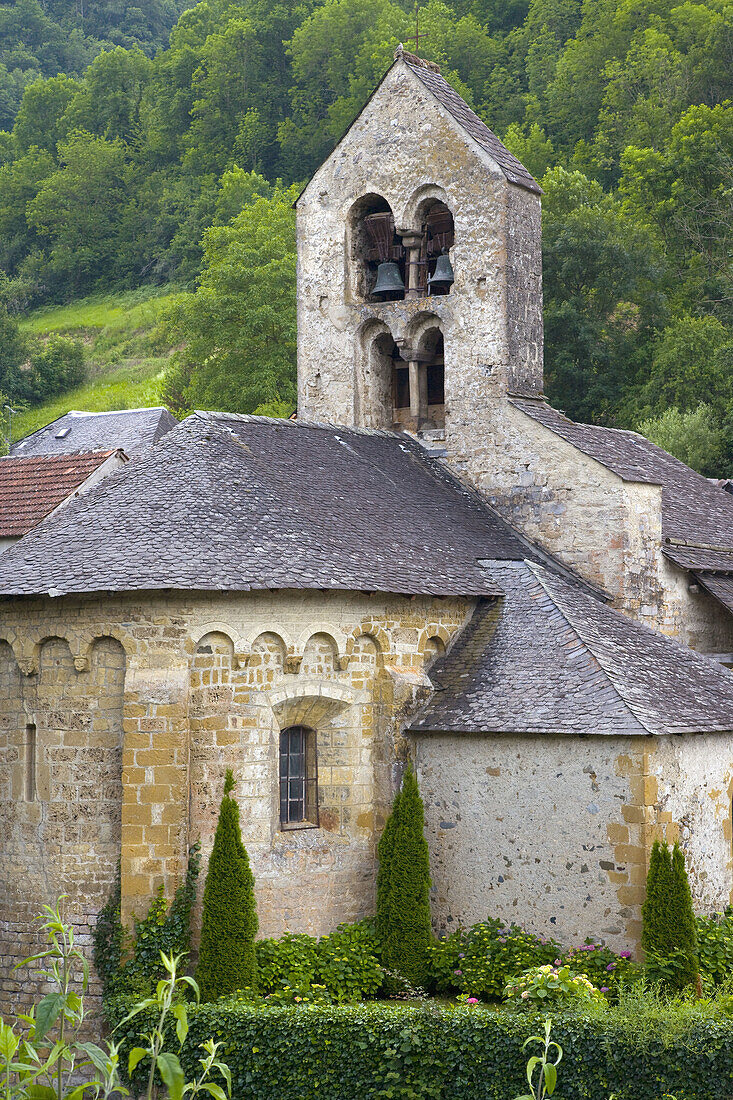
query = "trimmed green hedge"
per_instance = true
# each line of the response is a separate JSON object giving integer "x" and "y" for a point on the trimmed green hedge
{"x": 404, "y": 1052}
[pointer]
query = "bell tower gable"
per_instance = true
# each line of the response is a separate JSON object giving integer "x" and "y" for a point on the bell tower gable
{"x": 419, "y": 266}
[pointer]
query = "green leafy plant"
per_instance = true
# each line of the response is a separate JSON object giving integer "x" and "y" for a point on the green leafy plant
{"x": 403, "y": 884}
{"x": 342, "y": 967}
{"x": 545, "y": 984}
{"x": 163, "y": 929}
{"x": 289, "y": 960}
{"x": 347, "y": 965}
{"x": 669, "y": 930}
{"x": 108, "y": 938}
{"x": 227, "y": 959}
{"x": 48, "y": 1060}
{"x": 542, "y": 1066}
{"x": 164, "y": 1064}
{"x": 715, "y": 945}
{"x": 43, "y": 1058}
{"x": 607, "y": 969}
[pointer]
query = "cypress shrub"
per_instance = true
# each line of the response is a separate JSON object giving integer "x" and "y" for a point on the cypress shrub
{"x": 227, "y": 955}
{"x": 403, "y": 883}
{"x": 385, "y": 850}
{"x": 669, "y": 931}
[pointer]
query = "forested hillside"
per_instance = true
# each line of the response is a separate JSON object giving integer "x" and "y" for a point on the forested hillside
{"x": 177, "y": 166}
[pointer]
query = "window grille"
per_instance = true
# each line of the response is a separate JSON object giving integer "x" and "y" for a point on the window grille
{"x": 298, "y": 777}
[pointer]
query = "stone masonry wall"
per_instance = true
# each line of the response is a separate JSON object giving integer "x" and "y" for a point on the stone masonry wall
{"x": 61, "y": 795}
{"x": 141, "y": 702}
{"x": 608, "y": 529}
{"x": 555, "y": 833}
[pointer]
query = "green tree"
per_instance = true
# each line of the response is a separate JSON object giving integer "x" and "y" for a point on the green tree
{"x": 229, "y": 925}
{"x": 684, "y": 189}
{"x": 39, "y": 121}
{"x": 109, "y": 100}
{"x": 603, "y": 300}
{"x": 82, "y": 235}
{"x": 403, "y": 884}
{"x": 691, "y": 361}
{"x": 13, "y": 349}
{"x": 695, "y": 437}
{"x": 20, "y": 182}
{"x": 239, "y": 326}
{"x": 668, "y": 923}
{"x": 532, "y": 146}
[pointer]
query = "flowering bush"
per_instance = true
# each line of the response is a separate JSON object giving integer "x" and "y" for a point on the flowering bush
{"x": 479, "y": 962}
{"x": 605, "y": 968}
{"x": 545, "y": 984}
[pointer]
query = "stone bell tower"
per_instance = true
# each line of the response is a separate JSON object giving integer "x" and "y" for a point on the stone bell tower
{"x": 419, "y": 271}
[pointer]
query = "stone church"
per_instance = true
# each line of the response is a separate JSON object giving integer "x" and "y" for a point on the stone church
{"x": 430, "y": 563}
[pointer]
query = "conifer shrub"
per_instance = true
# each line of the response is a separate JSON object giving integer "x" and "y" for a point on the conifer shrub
{"x": 227, "y": 958}
{"x": 403, "y": 883}
{"x": 669, "y": 931}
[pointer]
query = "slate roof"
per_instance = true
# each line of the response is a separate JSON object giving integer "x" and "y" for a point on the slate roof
{"x": 132, "y": 430}
{"x": 550, "y": 658}
{"x": 229, "y": 502}
{"x": 456, "y": 106}
{"x": 30, "y": 488}
{"x": 697, "y": 514}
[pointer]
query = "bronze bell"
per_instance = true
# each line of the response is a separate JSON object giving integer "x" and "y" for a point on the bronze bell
{"x": 389, "y": 280}
{"x": 442, "y": 277}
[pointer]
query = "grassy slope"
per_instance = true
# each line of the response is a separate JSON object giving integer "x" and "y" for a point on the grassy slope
{"x": 125, "y": 354}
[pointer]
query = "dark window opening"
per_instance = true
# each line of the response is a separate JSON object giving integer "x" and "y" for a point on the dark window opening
{"x": 436, "y": 384}
{"x": 402, "y": 387}
{"x": 386, "y": 257}
{"x": 298, "y": 777}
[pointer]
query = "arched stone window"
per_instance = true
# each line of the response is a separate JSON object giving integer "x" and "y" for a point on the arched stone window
{"x": 298, "y": 778}
{"x": 375, "y": 252}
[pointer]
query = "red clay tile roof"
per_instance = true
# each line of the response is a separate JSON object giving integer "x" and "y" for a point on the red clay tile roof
{"x": 30, "y": 488}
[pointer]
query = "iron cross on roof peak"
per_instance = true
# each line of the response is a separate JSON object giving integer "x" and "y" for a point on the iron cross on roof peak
{"x": 417, "y": 37}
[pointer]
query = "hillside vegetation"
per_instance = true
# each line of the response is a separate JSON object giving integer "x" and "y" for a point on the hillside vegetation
{"x": 622, "y": 109}
{"x": 125, "y": 355}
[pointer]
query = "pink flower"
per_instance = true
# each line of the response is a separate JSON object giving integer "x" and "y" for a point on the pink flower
{"x": 604, "y": 989}
{"x": 525, "y": 995}
{"x": 472, "y": 1001}
{"x": 611, "y": 966}
{"x": 557, "y": 962}
{"x": 458, "y": 972}
{"x": 624, "y": 954}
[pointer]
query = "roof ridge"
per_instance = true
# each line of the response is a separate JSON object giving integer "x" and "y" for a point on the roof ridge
{"x": 109, "y": 412}
{"x": 215, "y": 416}
{"x": 569, "y": 619}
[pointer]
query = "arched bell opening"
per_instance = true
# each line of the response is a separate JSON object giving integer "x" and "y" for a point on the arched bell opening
{"x": 431, "y": 270}
{"x": 376, "y": 253}
{"x": 431, "y": 360}
{"x": 392, "y": 374}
